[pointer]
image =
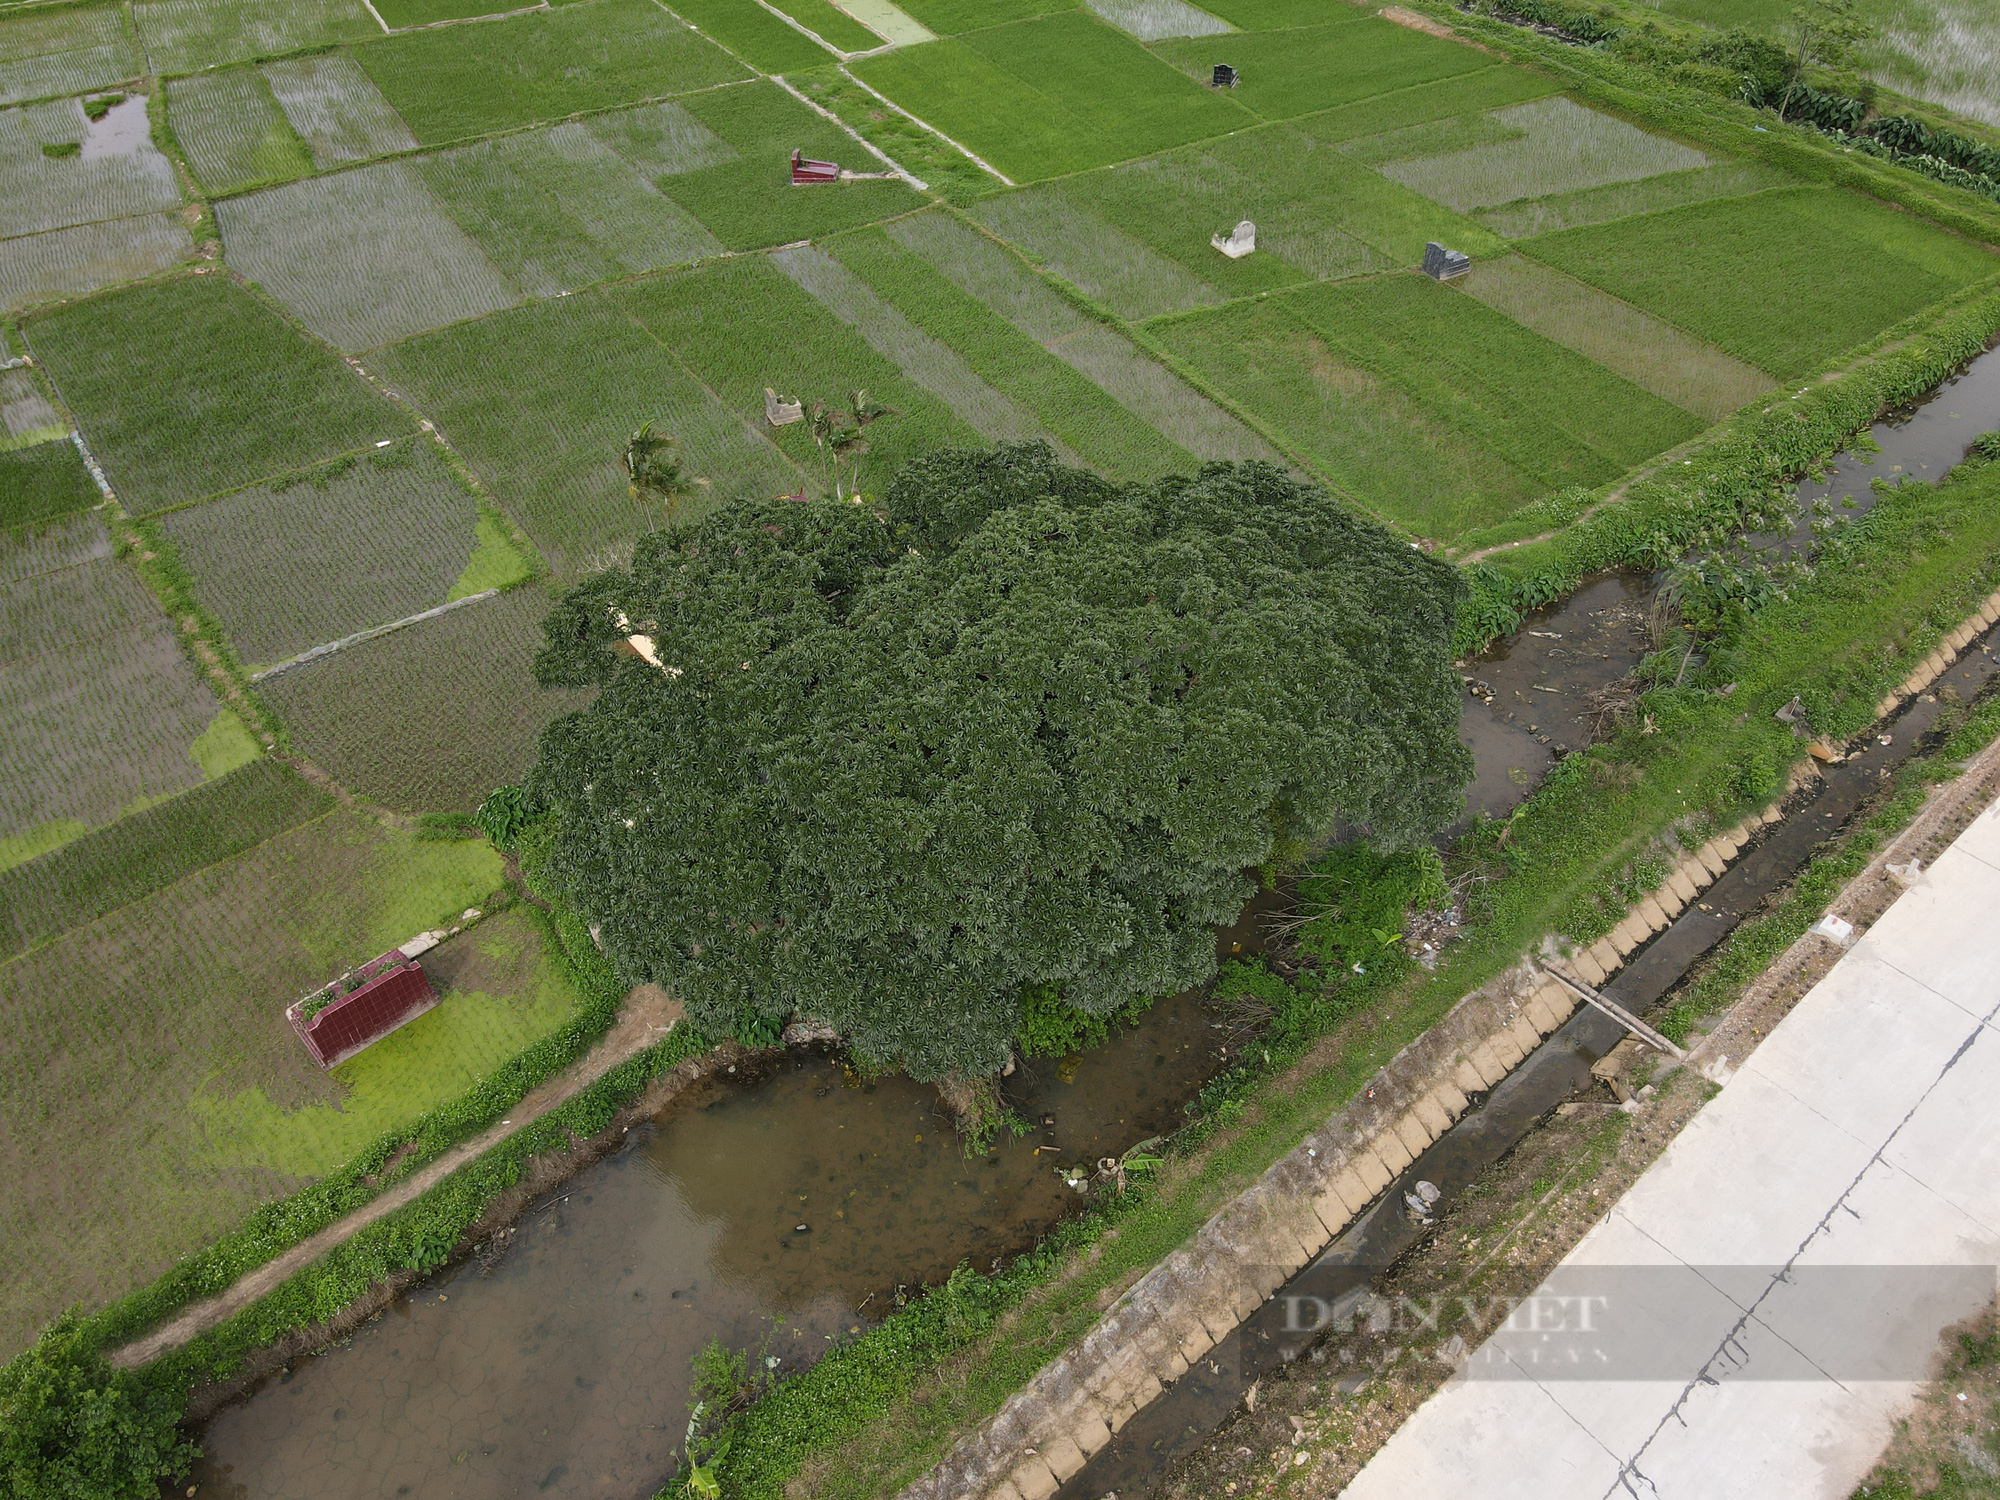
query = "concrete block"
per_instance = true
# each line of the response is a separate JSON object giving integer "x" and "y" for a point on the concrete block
{"x": 1887, "y": 706}
{"x": 1389, "y": 1146}
{"x": 1725, "y": 847}
{"x": 1450, "y": 1097}
{"x": 1092, "y": 1430}
{"x": 1492, "y": 1067}
{"x": 1654, "y": 914}
{"x": 1626, "y": 936}
{"x": 1541, "y": 1015}
{"x": 1172, "y": 1367}
{"x": 1960, "y": 638}
{"x": 1710, "y": 860}
{"x": 1507, "y": 1047}
{"x": 1332, "y": 1212}
{"x": 1063, "y": 1455}
{"x": 1413, "y": 1133}
{"x": 1586, "y": 968}
{"x": 1695, "y": 873}
{"x": 1217, "y": 1320}
{"x": 1370, "y": 1171}
{"x": 1033, "y": 1479}
{"x": 1771, "y": 814}
{"x": 1672, "y": 902}
{"x": 1004, "y": 1490}
{"x": 1608, "y": 958}
{"x": 1263, "y": 1279}
{"x": 1246, "y": 1301}
{"x": 1353, "y": 1191}
{"x": 1523, "y": 1033}
{"x": 1467, "y": 1078}
{"x": 1430, "y": 1114}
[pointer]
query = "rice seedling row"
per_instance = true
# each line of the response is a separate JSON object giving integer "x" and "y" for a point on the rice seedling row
{"x": 1283, "y": 74}
{"x": 362, "y": 257}
{"x": 1104, "y": 434}
{"x": 832, "y": 25}
{"x": 549, "y": 450}
{"x": 996, "y": 91}
{"x": 459, "y": 82}
{"x": 1271, "y": 15}
{"x": 26, "y": 418}
{"x": 638, "y": 226}
{"x": 431, "y": 717}
{"x": 232, "y": 131}
{"x": 288, "y": 568}
{"x": 1785, "y": 280}
{"x": 401, "y": 13}
{"x": 99, "y": 709}
{"x": 173, "y": 1002}
{"x": 1562, "y": 147}
{"x": 1105, "y": 357}
{"x": 185, "y": 36}
{"x": 950, "y": 17}
{"x": 141, "y": 853}
{"x": 336, "y": 109}
{"x": 1098, "y": 259}
{"x": 889, "y": 21}
{"x": 191, "y": 386}
{"x": 742, "y": 325}
{"x": 754, "y": 34}
{"x": 1655, "y": 356}
{"x": 1463, "y": 93}
{"x": 39, "y": 191}
{"x": 1547, "y": 411}
{"x": 1156, "y": 20}
{"x": 749, "y": 202}
{"x": 64, "y": 51}
{"x": 936, "y": 367}
{"x": 1622, "y": 200}
{"x": 68, "y": 262}
{"x": 1358, "y": 430}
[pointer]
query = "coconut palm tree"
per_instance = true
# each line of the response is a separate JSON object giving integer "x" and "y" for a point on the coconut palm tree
{"x": 653, "y": 467}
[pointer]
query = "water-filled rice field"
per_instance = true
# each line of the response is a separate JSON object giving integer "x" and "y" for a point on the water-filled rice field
{"x": 294, "y": 564}
{"x": 193, "y": 386}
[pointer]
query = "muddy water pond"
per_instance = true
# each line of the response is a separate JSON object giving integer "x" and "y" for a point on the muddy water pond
{"x": 779, "y": 1209}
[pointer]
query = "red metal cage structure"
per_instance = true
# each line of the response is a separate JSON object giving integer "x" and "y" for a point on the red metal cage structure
{"x": 392, "y": 991}
{"x": 806, "y": 171}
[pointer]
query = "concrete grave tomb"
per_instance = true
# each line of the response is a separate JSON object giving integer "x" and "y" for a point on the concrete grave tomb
{"x": 1441, "y": 264}
{"x": 1239, "y": 242}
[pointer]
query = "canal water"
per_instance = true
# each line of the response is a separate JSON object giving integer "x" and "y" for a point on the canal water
{"x": 785, "y": 1208}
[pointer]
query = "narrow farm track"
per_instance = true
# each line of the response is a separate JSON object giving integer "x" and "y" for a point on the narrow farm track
{"x": 649, "y": 1014}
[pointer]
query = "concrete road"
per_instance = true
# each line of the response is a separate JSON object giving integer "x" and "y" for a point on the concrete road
{"x": 1753, "y": 1356}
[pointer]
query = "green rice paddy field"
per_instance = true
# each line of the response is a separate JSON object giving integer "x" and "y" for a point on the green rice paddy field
{"x": 356, "y": 310}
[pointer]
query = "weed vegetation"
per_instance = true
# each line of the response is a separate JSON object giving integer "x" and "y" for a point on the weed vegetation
{"x": 456, "y": 82}
{"x": 1464, "y": 94}
{"x": 186, "y": 36}
{"x": 192, "y": 386}
{"x": 1623, "y": 200}
{"x": 1786, "y": 280}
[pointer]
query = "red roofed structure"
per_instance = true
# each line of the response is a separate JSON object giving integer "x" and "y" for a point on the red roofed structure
{"x": 362, "y": 1007}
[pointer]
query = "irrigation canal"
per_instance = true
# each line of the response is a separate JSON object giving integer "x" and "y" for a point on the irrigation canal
{"x": 784, "y": 1207}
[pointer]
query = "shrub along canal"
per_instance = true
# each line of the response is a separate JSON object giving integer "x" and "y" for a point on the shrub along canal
{"x": 786, "y": 1206}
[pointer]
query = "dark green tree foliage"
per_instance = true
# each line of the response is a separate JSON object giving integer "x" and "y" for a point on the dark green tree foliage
{"x": 1020, "y": 726}
{"x": 73, "y": 1429}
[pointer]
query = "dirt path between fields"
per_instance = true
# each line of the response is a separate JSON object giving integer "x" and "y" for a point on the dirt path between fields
{"x": 649, "y": 1013}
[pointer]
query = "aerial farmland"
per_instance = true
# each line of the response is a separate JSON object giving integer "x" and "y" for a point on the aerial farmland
{"x": 331, "y": 330}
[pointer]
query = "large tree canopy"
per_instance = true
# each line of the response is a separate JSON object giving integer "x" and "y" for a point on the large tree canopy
{"x": 1018, "y": 725}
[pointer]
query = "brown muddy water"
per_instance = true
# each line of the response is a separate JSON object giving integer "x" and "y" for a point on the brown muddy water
{"x": 779, "y": 1209}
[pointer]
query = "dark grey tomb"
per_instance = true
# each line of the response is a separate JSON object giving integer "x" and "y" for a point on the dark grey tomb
{"x": 1441, "y": 264}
